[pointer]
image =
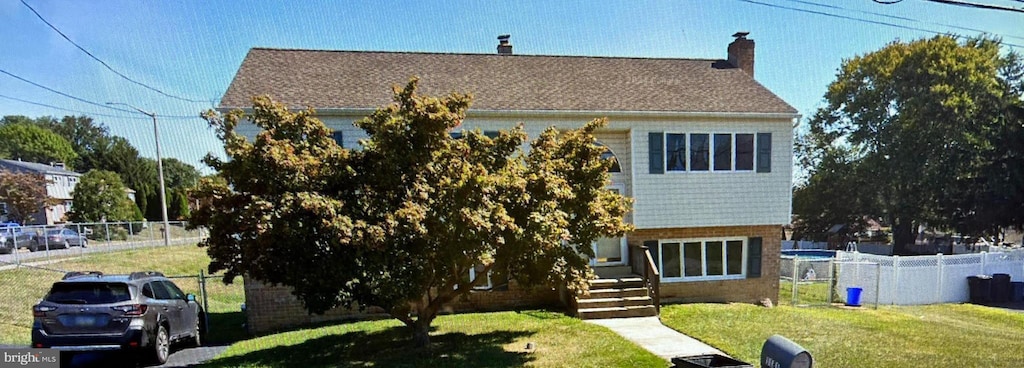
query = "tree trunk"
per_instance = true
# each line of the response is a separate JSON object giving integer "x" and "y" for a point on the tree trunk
{"x": 902, "y": 237}
{"x": 421, "y": 332}
{"x": 421, "y": 335}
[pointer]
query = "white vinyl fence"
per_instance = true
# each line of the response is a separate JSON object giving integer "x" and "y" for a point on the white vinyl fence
{"x": 917, "y": 280}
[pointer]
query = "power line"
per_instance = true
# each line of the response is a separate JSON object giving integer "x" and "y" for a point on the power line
{"x": 978, "y": 5}
{"x": 71, "y": 110}
{"x": 104, "y": 63}
{"x": 903, "y": 18}
{"x": 86, "y": 112}
{"x": 859, "y": 19}
{"x": 962, "y": 3}
{"x": 82, "y": 99}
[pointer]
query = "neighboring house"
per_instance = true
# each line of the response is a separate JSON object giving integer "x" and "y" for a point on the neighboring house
{"x": 60, "y": 183}
{"x": 704, "y": 150}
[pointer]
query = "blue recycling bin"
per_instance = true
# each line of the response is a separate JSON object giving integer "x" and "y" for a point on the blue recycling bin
{"x": 853, "y": 296}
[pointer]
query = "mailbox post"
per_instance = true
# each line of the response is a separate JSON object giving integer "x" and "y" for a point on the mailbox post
{"x": 780, "y": 352}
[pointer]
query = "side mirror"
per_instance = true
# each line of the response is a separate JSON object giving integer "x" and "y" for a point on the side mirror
{"x": 190, "y": 297}
{"x": 780, "y": 352}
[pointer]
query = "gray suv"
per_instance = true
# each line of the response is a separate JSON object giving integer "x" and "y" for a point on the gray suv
{"x": 141, "y": 313}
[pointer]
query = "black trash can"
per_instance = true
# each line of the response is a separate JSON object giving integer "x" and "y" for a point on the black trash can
{"x": 1001, "y": 288}
{"x": 1017, "y": 291}
{"x": 980, "y": 287}
{"x": 708, "y": 361}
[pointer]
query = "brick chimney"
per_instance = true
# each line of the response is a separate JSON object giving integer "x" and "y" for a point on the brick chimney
{"x": 741, "y": 52}
{"x": 504, "y": 47}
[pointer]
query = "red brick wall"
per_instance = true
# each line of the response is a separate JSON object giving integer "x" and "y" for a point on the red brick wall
{"x": 270, "y": 308}
{"x": 750, "y": 290}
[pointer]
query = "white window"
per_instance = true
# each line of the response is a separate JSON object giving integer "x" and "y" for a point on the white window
{"x": 702, "y": 259}
{"x": 706, "y": 152}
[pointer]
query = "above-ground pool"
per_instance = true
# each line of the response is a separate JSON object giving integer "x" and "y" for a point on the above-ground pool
{"x": 809, "y": 253}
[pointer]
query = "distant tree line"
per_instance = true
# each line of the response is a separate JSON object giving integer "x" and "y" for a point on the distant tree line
{"x": 86, "y": 146}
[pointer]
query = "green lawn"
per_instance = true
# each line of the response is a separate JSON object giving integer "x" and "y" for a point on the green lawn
{"x": 21, "y": 288}
{"x": 946, "y": 335}
{"x": 464, "y": 340}
{"x": 808, "y": 293}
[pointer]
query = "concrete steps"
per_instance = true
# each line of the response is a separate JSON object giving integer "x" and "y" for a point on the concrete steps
{"x": 629, "y": 301}
{"x": 617, "y": 312}
{"x": 616, "y": 296}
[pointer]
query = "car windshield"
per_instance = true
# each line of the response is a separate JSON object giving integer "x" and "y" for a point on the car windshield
{"x": 88, "y": 293}
{"x": 53, "y": 232}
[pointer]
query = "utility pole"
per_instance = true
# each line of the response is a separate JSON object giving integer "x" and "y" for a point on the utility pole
{"x": 159, "y": 170}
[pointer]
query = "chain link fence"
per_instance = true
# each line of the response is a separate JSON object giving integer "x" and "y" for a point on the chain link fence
{"x": 806, "y": 281}
{"x": 41, "y": 244}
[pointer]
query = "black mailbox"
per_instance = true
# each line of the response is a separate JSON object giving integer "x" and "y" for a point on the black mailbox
{"x": 779, "y": 352}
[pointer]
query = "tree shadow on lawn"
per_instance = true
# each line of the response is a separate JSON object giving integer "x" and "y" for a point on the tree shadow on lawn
{"x": 389, "y": 348}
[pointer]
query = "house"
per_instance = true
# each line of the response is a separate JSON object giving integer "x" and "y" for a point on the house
{"x": 60, "y": 184}
{"x": 704, "y": 150}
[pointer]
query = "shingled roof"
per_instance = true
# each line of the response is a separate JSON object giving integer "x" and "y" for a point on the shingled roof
{"x": 361, "y": 79}
{"x": 21, "y": 166}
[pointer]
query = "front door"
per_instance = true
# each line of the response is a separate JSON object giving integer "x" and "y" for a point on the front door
{"x": 610, "y": 251}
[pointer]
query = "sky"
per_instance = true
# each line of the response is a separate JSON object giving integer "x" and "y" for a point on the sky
{"x": 191, "y": 49}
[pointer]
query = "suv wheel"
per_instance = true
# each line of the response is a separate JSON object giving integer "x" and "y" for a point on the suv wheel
{"x": 161, "y": 346}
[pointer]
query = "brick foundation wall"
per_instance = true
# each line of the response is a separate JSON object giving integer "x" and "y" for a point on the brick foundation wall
{"x": 271, "y": 308}
{"x": 751, "y": 290}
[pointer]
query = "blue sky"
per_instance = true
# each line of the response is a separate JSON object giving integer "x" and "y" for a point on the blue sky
{"x": 193, "y": 48}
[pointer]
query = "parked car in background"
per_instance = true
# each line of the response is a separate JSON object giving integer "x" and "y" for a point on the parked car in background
{"x": 141, "y": 313}
{"x": 13, "y": 236}
{"x": 61, "y": 238}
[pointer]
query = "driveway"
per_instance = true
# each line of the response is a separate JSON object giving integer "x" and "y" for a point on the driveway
{"x": 188, "y": 357}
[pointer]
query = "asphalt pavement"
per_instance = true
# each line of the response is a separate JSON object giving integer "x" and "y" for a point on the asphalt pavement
{"x": 180, "y": 358}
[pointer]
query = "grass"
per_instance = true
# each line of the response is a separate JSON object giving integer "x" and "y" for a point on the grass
{"x": 464, "y": 340}
{"x": 21, "y": 288}
{"x": 945, "y": 335}
{"x": 807, "y": 292}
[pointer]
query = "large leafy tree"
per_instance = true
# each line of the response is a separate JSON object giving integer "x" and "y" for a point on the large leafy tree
{"x": 923, "y": 120}
{"x": 100, "y": 196}
{"x": 33, "y": 143}
{"x": 89, "y": 139}
{"x": 24, "y": 193}
{"x": 138, "y": 173}
{"x": 400, "y": 223}
{"x": 179, "y": 175}
{"x": 831, "y": 195}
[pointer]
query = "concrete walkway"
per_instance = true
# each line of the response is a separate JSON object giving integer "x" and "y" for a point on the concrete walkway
{"x": 649, "y": 333}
